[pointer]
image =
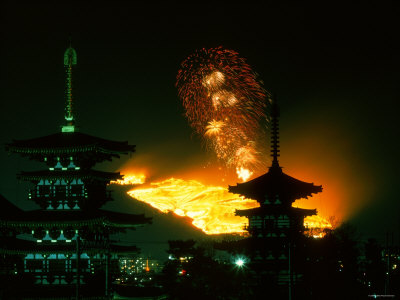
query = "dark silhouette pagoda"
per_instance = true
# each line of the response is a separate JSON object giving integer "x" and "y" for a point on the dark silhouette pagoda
{"x": 276, "y": 227}
{"x": 64, "y": 248}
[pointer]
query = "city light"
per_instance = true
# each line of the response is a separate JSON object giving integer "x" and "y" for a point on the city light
{"x": 240, "y": 262}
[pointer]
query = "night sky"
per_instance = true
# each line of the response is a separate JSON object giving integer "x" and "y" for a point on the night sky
{"x": 334, "y": 70}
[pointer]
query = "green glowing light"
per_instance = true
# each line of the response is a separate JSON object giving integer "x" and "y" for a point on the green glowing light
{"x": 240, "y": 262}
{"x": 68, "y": 128}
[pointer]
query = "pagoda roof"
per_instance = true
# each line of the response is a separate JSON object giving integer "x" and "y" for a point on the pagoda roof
{"x": 69, "y": 175}
{"x": 273, "y": 183}
{"x": 20, "y": 246}
{"x": 275, "y": 209}
{"x": 73, "y": 218}
{"x": 69, "y": 142}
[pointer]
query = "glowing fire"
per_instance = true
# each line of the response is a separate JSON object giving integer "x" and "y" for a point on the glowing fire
{"x": 131, "y": 179}
{"x": 212, "y": 208}
{"x": 316, "y": 226}
{"x": 316, "y": 222}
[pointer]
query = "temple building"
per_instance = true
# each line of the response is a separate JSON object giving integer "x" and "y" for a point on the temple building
{"x": 64, "y": 247}
{"x": 275, "y": 227}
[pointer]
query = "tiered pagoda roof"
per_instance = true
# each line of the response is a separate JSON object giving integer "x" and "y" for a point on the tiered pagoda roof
{"x": 275, "y": 182}
{"x": 69, "y": 142}
{"x": 70, "y": 156}
{"x": 69, "y": 175}
{"x": 74, "y": 218}
{"x": 13, "y": 217}
{"x": 275, "y": 190}
{"x": 24, "y": 247}
{"x": 264, "y": 210}
{"x": 70, "y": 223}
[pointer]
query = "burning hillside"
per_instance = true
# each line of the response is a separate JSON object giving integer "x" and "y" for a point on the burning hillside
{"x": 212, "y": 208}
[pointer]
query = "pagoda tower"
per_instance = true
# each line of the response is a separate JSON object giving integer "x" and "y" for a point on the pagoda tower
{"x": 64, "y": 247}
{"x": 275, "y": 227}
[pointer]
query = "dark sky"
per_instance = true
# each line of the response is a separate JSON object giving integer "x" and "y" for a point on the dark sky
{"x": 333, "y": 68}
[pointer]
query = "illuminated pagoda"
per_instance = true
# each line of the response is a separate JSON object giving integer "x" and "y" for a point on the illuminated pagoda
{"x": 64, "y": 248}
{"x": 276, "y": 227}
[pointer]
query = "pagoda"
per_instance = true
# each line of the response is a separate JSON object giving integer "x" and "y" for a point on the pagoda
{"x": 64, "y": 248}
{"x": 275, "y": 227}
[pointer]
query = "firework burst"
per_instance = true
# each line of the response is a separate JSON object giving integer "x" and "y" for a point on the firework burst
{"x": 226, "y": 104}
{"x": 214, "y": 128}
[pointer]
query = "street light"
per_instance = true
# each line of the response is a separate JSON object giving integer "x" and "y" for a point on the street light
{"x": 239, "y": 262}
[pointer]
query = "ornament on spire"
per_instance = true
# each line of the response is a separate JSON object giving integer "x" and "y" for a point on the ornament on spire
{"x": 70, "y": 60}
{"x": 275, "y": 134}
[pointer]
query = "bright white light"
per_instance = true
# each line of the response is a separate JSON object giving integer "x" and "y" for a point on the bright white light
{"x": 239, "y": 262}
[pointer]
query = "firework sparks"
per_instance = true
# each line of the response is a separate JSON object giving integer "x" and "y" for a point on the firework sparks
{"x": 243, "y": 174}
{"x": 225, "y": 104}
{"x": 247, "y": 155}
{"x": 223, "y": 99}
{"x": 215, "y": 79}
{"x": 214, "y": 128}
{"x": 217, "y": 84}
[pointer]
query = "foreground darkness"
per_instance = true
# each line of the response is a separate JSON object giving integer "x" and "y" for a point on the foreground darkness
{"x": 334, "y": 267}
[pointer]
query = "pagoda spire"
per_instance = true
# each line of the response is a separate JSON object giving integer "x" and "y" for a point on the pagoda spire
{"x": 275, "y": 134}
{"x": 70, "y": 60}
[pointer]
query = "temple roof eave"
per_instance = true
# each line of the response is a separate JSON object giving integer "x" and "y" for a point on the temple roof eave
{"x": 46, "y": 219}
{"x": 275, "y": 182}
{"x": 69, "y": 174}
{"x": 67, "y": 224}
{"x": 267, "y": 210}
{"x": 67, "y": 143}
{"x": 59, "y": 151}
{"x": 24, "y": 247}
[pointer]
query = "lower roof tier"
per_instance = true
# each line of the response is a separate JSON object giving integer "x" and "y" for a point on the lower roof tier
{"x": 18, "y": 246}
{"x": 275, "y": 210}
{"x": 69, "y": 175}
{"x": 75, "y": 219}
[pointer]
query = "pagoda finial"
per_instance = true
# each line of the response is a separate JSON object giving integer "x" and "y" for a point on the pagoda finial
{"x": 70, "y": 60}
{"x": 274, "y": 133}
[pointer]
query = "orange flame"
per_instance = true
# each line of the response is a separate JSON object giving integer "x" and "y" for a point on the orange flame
{"x": 130, "y": 180}
{"x": 212, "y": 208}
{"x": 316, "y": 226}
{"x": 147, "y": 265}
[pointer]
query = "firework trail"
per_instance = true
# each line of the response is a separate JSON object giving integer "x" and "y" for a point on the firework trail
{"x": 226, "y": 104}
